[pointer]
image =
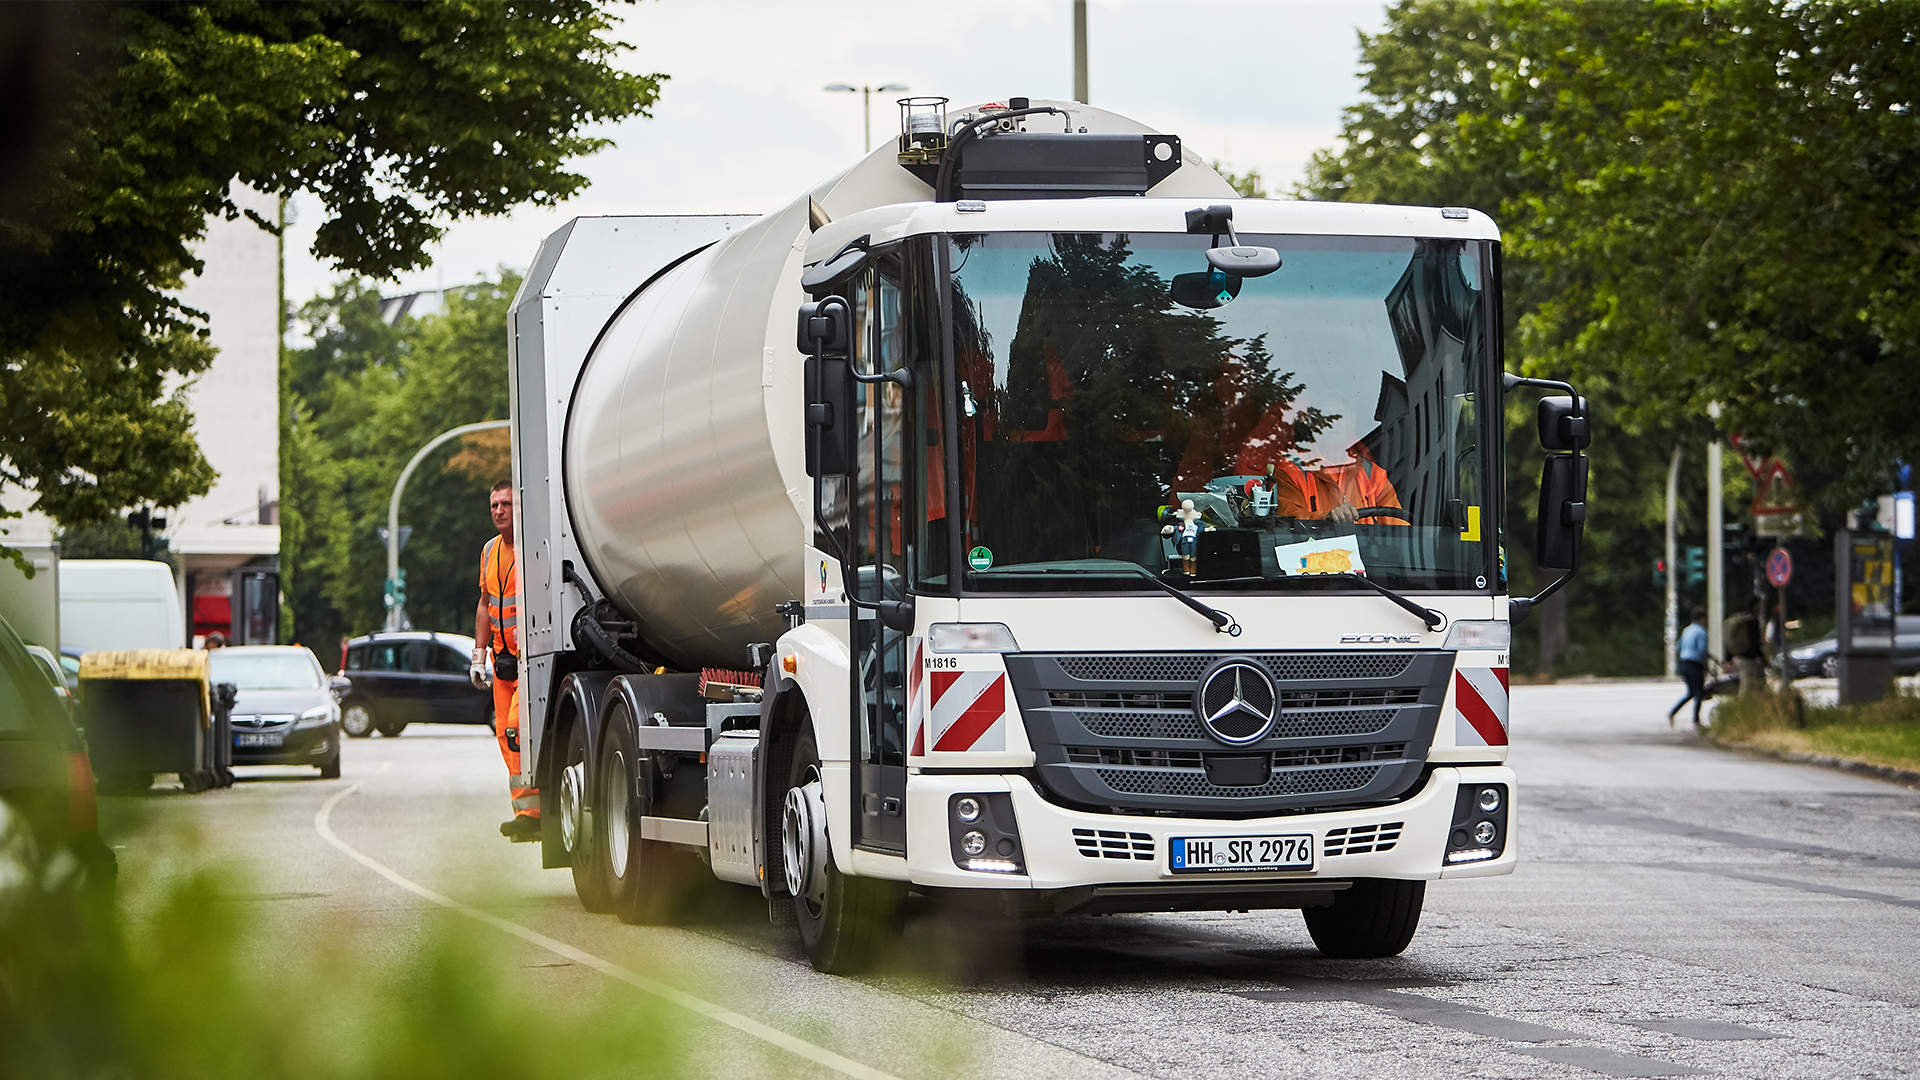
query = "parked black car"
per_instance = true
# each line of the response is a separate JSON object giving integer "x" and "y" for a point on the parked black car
{"x": 410, "y": 677}
{"x": 1820, "y": 658}
{"x": 47, "y": 795}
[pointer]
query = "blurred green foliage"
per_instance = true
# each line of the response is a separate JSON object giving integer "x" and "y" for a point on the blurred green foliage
{"x": 199, "y": 986}
{"x": 1884, "y": 732}
{"x": 359, "y": 403}
{"x": 130, "y": 122}
{"x": 1700, "y": 202}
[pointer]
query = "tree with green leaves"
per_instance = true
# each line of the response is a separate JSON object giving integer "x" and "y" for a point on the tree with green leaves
{"x": 380, "y": 392}
{"x": 397, "y": 116}
{"x": 1701, "y": 203}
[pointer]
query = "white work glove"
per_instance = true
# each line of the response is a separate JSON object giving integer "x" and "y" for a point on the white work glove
{"x": 481, "y": 673}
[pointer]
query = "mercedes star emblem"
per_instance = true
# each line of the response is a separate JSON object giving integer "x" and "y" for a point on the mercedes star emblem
{"x": 1236, "y": 702}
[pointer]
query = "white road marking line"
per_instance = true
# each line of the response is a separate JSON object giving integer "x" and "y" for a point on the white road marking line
{"x": 771, "y": 1035}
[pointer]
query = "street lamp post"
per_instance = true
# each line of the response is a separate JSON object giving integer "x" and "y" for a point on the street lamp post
{"x": 397, "y": 606}
{"x": 866, "y": 100}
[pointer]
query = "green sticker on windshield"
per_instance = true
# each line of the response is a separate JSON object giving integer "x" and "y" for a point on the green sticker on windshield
{"x": 980, "y": 558}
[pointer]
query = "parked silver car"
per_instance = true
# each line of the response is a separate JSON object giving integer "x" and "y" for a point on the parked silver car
{"x": 286, "y": 712}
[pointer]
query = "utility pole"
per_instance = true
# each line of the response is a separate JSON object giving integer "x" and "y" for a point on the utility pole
{"x": 1673, "y": 566}
{"x": 866, "y": 100}
{"x": 1716, "y": 551}
{"x": 1080, "y": 52}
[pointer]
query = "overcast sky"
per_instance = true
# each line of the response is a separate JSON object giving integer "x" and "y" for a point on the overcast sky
{"x": 742, "y": 125}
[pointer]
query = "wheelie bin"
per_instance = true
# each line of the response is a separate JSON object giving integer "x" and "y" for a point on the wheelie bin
{"x": 148, "y": 711}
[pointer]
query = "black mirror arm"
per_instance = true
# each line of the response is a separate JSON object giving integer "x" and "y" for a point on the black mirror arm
{"x": 1508, "y": 381}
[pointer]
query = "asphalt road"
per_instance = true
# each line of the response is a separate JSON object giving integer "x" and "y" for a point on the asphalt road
{"x": 1678, "y": 911}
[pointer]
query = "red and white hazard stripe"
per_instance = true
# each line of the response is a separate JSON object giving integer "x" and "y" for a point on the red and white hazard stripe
{"x": 967, "y": 710}
{"x": 1480, "y": 706}
{"x": 916, "y": 707}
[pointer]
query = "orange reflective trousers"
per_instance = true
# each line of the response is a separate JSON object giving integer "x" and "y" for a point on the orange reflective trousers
{"x": 506, "y": 729}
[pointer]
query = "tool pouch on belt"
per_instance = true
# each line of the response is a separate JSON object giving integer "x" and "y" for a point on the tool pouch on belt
{"x": 506, "y": 667}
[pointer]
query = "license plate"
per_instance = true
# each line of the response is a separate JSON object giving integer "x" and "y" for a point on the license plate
{"x": 247, "y": 738}
{"x": 1239, "y": 854}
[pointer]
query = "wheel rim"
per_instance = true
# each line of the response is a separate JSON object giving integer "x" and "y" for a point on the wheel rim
{"x": 572, "y": 779}
{"x": 357, "y": 720}
{"x": 803, "y": 844}
{"x": 618, "y": 800}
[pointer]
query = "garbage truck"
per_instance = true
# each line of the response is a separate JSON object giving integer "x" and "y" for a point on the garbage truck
{"x": 1020, "y": 518}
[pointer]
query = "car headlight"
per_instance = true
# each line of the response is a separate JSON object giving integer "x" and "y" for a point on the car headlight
{"x": 315, "y": 717}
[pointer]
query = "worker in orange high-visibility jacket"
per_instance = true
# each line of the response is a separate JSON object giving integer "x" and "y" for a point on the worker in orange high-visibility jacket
{"x": 496, "y": 631}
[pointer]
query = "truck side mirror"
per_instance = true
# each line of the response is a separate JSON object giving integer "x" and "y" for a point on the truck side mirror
{"x": 825, "y": 328}
{"x": 1563, "y": 424}
{"x": 830, "y": 442}
{"x": 1563, "y": 511}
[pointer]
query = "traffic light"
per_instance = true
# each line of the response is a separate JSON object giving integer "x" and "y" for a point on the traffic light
{"x": 1659, "y": 573}
{"x": 396, "y": 590}
{"x": 148, "y": 522}
{"x": 1694, "y": 570}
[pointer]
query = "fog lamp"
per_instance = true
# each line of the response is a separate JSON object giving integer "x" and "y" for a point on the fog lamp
{"x": 1489, "y": 800}
{"x": 967, "y": 810}
{"x": 1484, "y": 833}
{"x": 973, "y": 843}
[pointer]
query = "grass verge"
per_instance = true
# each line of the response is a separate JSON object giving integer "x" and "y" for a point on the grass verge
{"x": 1885, "y": 732}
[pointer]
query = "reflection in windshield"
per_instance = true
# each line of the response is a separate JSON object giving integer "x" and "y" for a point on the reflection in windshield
{"x": 1322, "y": 420}
{"x": 265, "y": 670}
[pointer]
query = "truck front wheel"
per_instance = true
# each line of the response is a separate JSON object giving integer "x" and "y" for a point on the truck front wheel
{"x": 1374, "y": 918}
{"x": 845, "y": 922}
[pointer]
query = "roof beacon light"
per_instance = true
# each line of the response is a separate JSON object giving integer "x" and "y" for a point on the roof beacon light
{"x": 923, "y": 130}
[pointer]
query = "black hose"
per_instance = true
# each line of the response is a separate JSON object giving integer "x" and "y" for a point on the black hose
{"x": 586, "y": 626}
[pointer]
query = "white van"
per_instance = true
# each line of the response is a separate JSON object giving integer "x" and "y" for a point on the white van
{"x": 119, "y": 604}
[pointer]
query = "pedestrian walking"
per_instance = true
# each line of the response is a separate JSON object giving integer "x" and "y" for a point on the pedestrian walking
{"x": 496, "y": 630}
{"x": 1693, "y": 666}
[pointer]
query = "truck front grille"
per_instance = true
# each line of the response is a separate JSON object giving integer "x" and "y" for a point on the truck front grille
{"x": 1119, "y": 732}
{"x": 1113, "y": 844}
{"x": 1193, "y": 783}
{"x": 1361, "y": 839}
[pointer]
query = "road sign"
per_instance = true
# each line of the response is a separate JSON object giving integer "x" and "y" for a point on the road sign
{"x": 1779, "y": 567}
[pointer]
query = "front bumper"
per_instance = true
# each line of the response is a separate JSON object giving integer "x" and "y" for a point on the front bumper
{"x": 1055, "y": 859}
{"x": 299, "y": 746}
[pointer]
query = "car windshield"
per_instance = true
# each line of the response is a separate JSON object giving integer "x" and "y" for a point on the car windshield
{"x": 275, "y": 670}
{"x": 1122, "y": 407}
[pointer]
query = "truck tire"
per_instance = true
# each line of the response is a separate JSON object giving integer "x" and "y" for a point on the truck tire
{"x": 647, "y": 881}
{"x": 853, "y": 919}
{"x": 357, "y": 719}
{"x": 578, "y": 836}
{"x": 1374, "y": 918}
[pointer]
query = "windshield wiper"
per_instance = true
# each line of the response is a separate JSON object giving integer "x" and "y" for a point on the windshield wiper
{"x": 1433, "y": 619}
{"x": 1223, "y": 623}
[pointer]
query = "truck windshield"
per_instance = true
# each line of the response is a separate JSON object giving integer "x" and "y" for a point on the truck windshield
{"x": 1120, "y": 406}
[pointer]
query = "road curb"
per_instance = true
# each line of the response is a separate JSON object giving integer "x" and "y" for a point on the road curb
{"x": 1904, "y": 777}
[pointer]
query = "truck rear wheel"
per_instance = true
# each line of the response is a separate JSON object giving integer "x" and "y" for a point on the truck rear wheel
{"x": 575, "y": 822}
{"x": 646, "y": 879}
{"x": 1374, "y": 918}
{"x": 845, "y": 922}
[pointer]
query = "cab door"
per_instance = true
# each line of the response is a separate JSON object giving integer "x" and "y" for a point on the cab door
{"x": 878, "y": 514}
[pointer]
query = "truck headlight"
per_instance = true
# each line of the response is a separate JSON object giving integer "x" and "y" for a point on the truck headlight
{"x": 1488, "y": 634}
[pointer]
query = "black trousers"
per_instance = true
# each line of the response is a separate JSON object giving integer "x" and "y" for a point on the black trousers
{"x": 1695, "y": 674}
